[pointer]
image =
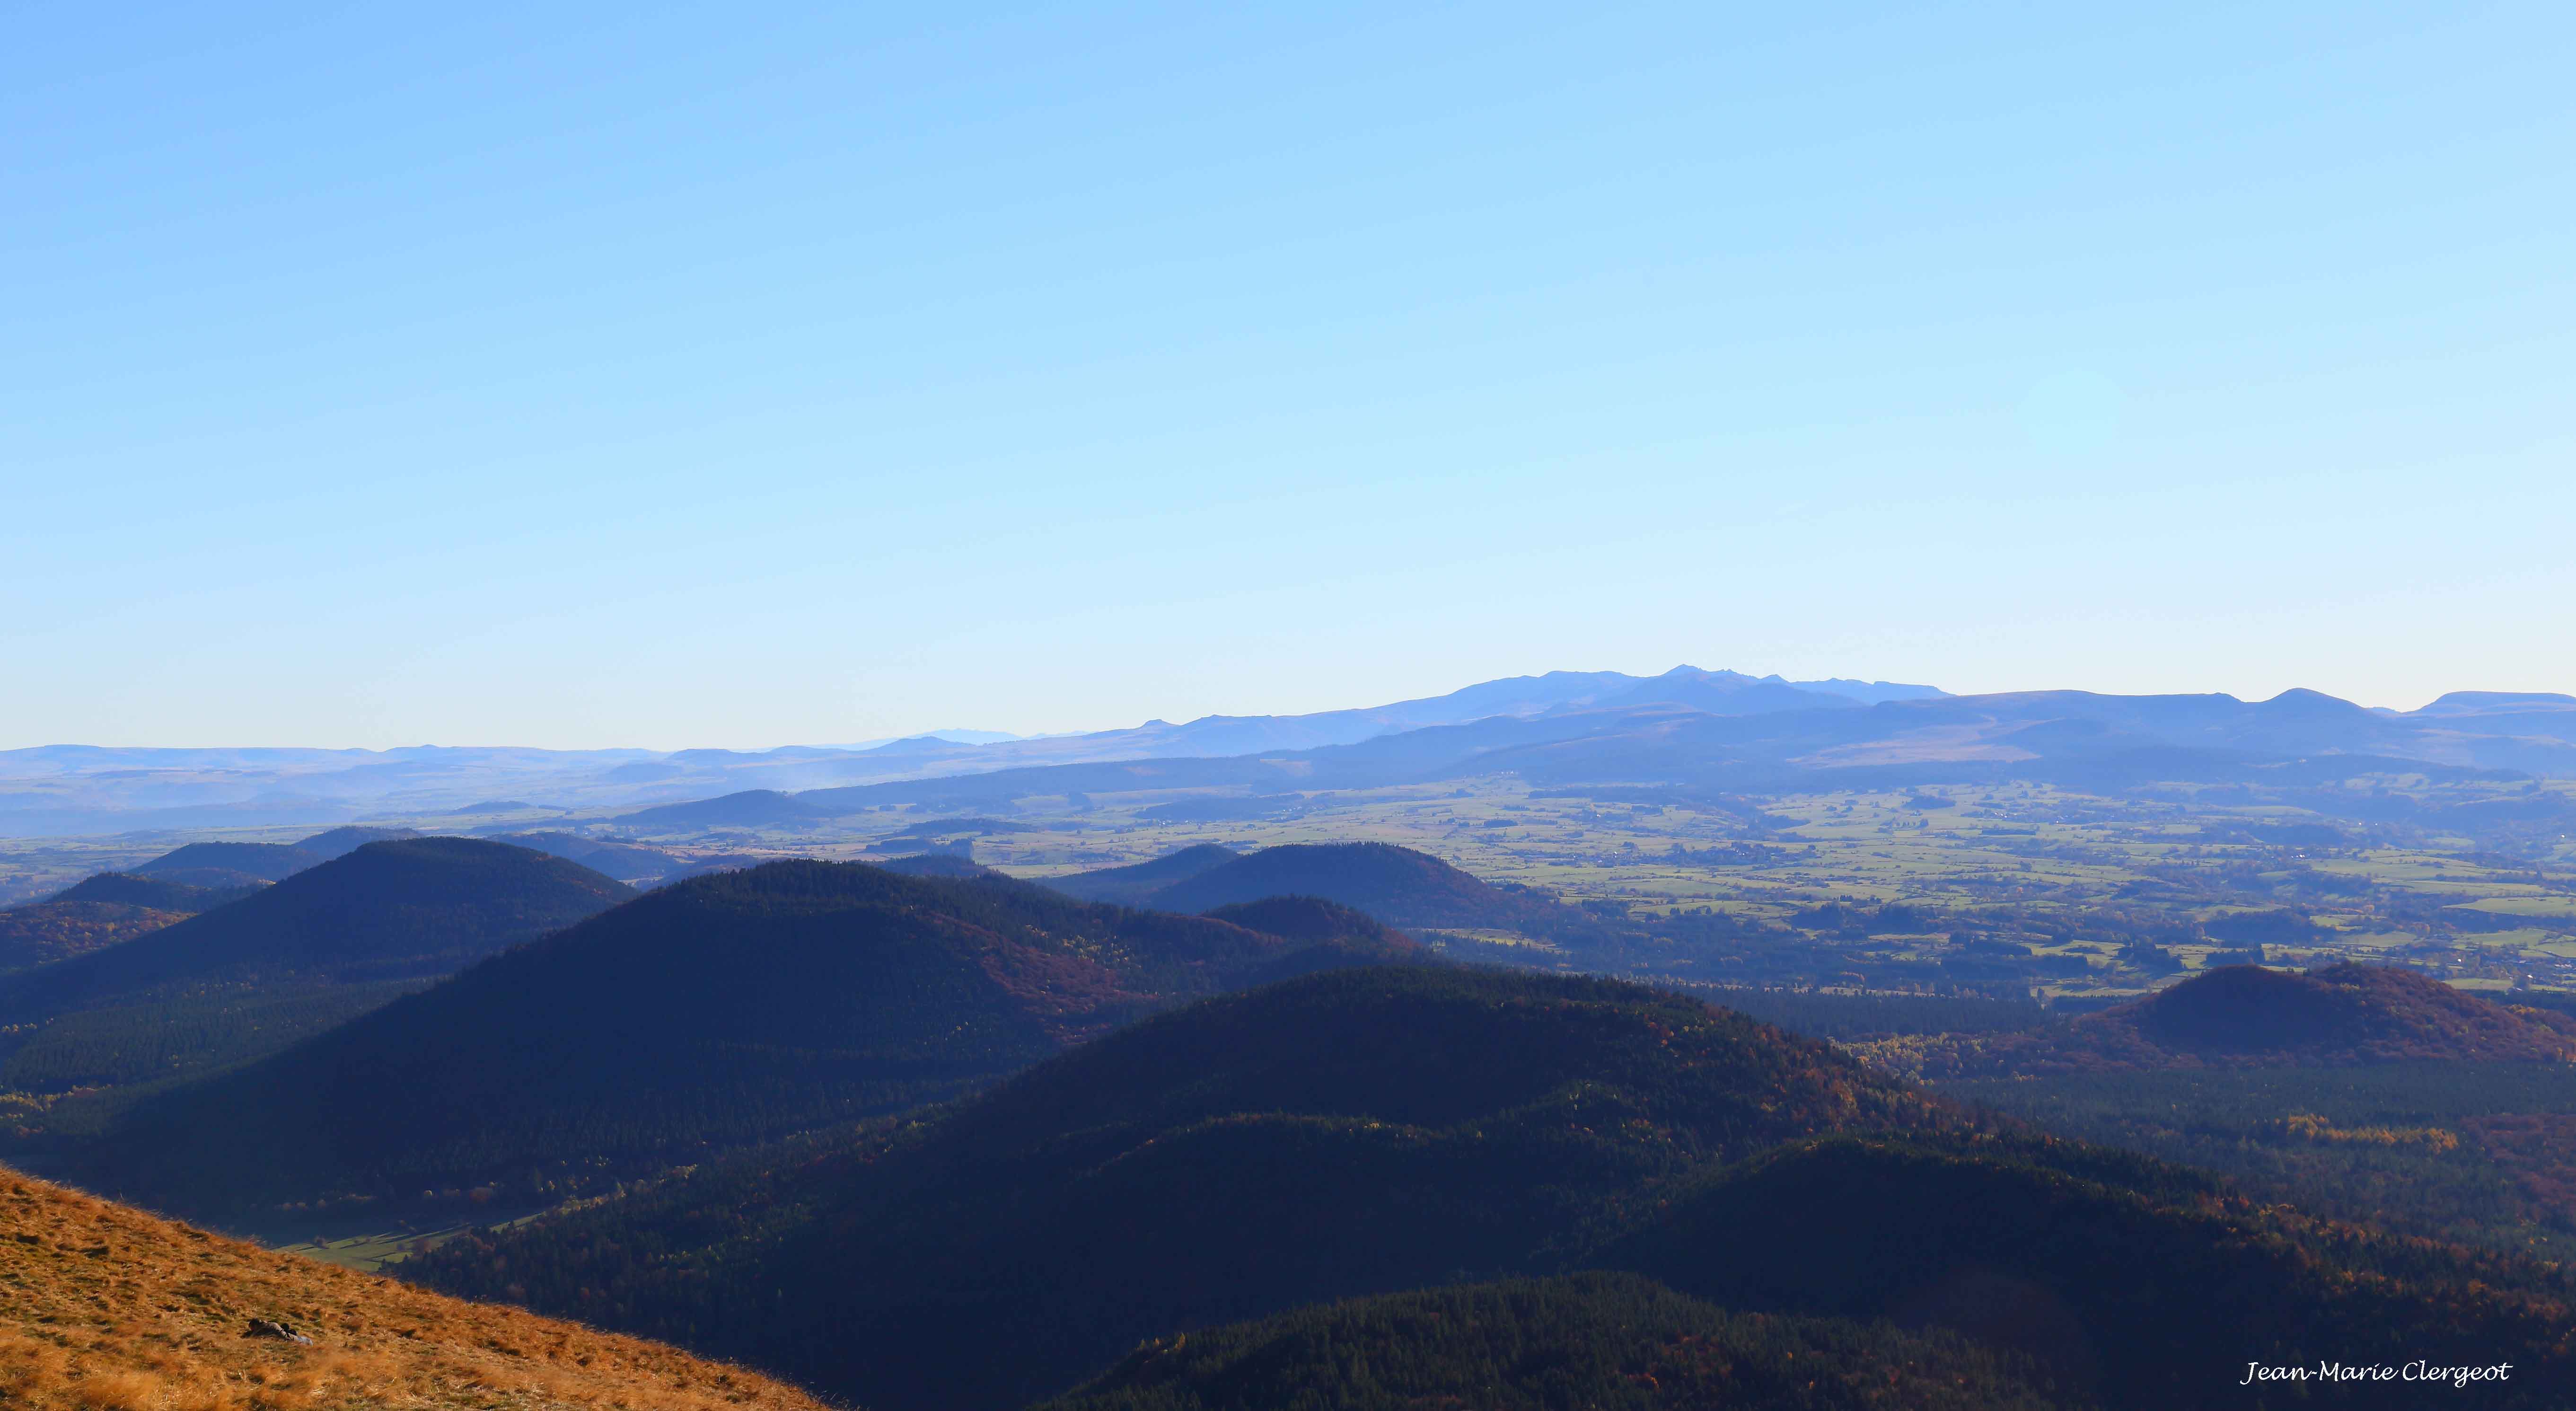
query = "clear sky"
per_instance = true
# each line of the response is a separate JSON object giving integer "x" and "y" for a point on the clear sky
{"x": 671, "y": 375}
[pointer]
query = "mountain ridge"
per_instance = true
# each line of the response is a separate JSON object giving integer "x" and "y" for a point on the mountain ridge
{"x": 1768, "y": 731}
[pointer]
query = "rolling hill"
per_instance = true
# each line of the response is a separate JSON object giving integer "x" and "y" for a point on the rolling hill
{"x": 631, "y": 863}
{"x": 340, "y": 842}
{"x": 112, "y": 1308}
{"x": 388, "y": 911}
{"x": 1396, "y": 885}
{"x": 57, "y": 930}
{"x": 937, "y": 864}
{"x": 1348, "y": 1133}
{"x": 1132, "y": 885}
{"x": 228, "y": 864}
{"x": 157, "y": 893}
{"x": 2246, "y": 1016}
{"x": 749, "y": 808}
{"x": 100, "y": 911}
{"x": 724, "y": 1010}
{"x": 1305, "y": 919}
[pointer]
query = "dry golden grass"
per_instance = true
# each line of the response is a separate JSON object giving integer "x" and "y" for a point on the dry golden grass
{"x": 106, "y": 1308}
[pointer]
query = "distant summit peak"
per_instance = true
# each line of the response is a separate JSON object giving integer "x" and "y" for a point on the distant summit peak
{"x": 1865, "y": 692}
{"x": 2497, "y": 702}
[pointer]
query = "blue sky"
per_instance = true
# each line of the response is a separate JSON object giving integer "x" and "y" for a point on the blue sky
{"x": 697, "y": 375}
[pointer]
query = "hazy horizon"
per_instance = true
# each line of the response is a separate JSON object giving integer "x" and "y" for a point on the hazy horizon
{"x": 1007, "y": 736}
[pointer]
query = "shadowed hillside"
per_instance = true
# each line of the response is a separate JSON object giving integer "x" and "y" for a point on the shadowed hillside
{"x": 1131, "y": 885}
{"x": 109, "y": 1307}
{"x": 1341, "y": 1134}
{"x": 2149, "y": 1285}
{"x": 388, "y": 911}
{"x": 1602, "y": 1342}
{"x": 727, "y": 1009}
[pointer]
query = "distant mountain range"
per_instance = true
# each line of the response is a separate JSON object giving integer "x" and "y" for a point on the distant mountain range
{"x": 1563, "y": 727}
{"x": 84, "y": 789}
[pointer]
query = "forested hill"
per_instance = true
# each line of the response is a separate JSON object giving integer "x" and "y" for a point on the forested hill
{"x": 340, "y": 842}
{"x": 158, "y": 893}
{"x": 2249, "y": 1016}
{"x": 2150, "y": 1287}
{"x": 1345, "y": 1133}
{"x": 1132, "y": 884}
{"x": 230, "y": 864}
{"x": 1598, "y": 1341}
{"x": 101, "y": 911}
{"x": 726, "y": 1009}
{"x": 1398, "y": 886}
{"x": 387, "y": 911}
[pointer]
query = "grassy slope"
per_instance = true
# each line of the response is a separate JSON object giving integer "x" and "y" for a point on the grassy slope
{"x": 111, "y": 1309}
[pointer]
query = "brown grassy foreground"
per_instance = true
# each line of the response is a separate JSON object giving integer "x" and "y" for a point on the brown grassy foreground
{"x": 104, "y": 1306}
